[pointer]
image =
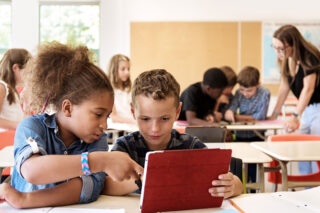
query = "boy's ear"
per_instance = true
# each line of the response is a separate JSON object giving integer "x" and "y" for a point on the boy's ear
{"x": 178, "y": 110}
{"x": 132, "y": 111}
{"x": 67, "y": 107}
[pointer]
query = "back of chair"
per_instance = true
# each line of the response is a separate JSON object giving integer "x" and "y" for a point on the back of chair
{"x": 293, "y": 137}
{"x": 207, "y": 134}
{"x": 236, "y": 167}
{"x": 7, "y": 138}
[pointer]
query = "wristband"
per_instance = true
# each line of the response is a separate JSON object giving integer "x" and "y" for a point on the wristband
{"x": 296, "y": 115}
{"x": 85, "y": 164}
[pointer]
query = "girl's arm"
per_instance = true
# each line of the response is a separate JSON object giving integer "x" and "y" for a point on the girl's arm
{"x": 46, "y": 169}
{"x": 63, "y": 194}
{"x": 309, "y": 82}
{"x": 282, "y": 96}
{"x": 4, "y": 123}
{"x": 119, "y": 119}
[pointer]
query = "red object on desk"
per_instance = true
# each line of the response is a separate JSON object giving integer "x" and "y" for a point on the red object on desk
{"x": 7, "y": 139}
{"x": 180, "y": 179}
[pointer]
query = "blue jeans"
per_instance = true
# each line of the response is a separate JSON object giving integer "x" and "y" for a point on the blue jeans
{"x": 310, "y": 124}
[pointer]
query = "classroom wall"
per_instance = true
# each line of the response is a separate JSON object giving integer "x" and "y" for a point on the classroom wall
{"x": 117, "y": 15}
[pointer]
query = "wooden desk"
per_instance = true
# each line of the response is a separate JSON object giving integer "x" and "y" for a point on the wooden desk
{"x": 291, "y": 151}
{"x": 248, "y": 154}
{"x": 6, "y": 158}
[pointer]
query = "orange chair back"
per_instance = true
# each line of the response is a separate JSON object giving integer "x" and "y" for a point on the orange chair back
{"x": 293, "y": 137}
{"x": 6, "y": 139}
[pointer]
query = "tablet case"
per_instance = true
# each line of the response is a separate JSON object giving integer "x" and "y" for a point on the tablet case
{"x": 180, "y": 179}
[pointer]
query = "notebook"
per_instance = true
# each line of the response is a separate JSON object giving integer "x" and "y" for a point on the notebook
{"x": 180, "y": 179}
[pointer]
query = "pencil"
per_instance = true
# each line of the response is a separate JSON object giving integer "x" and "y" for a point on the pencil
{"x": 236, "y": 206}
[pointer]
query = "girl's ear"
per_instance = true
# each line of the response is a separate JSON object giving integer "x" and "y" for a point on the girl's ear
{"x": 15, "y": 67}
{"x": 66, "y": 107}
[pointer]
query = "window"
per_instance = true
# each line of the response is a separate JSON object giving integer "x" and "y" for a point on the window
{"x": 75, "y": 22}
{"x": 5, "y": 26}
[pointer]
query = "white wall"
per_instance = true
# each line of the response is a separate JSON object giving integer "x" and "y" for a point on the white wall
{"x": 116, "y": 16}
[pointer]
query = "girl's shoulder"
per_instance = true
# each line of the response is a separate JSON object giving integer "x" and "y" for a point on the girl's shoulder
{"x": 3, "y": 87}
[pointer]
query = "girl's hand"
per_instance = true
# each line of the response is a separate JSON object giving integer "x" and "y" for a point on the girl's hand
{"x": 229, "y": 115}
{"x": 217, "y": 116}
{"x": 292, "y": 124}
{"x": 225, "y": 186}
{"x": 120, "y": 167}
{"x": 15, "y": 198}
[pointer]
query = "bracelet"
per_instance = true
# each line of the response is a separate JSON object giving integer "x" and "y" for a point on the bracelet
{"x": 296, "y": 115}
{"x": 85, "y": 164}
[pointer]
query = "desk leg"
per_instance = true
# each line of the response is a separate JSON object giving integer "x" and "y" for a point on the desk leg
{"x": 284, "y": 175}
{"x": 1, "y": 170}
{"x": 261, "y": 176}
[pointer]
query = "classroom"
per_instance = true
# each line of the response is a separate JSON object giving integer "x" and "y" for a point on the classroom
{"x": 100, "y": 130}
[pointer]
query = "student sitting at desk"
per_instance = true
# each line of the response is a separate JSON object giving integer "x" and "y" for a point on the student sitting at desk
{"x": 155, "y": 106}
{"x": 62, "y": 159}
{"x": 226, "y": 97}
{"x": 199, "y": 99}
{"x": 251, "y": 99}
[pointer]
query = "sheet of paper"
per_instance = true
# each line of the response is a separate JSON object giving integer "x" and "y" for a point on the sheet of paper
{"x": 6, "y": 208}
{"x": 85, "y": 210}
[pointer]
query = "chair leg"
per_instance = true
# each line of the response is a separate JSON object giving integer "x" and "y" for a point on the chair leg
{"x": 274, "y": 187}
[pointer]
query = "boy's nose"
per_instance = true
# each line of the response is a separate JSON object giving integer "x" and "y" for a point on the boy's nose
{"x": 104, "y": 125}
{"x": 155, "y": 126}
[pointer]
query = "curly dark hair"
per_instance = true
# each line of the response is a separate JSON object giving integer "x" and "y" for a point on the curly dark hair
{"x": 62, "y": 72}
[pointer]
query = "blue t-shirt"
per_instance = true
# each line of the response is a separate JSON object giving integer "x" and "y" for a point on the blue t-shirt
{"x": 43, "y": 129}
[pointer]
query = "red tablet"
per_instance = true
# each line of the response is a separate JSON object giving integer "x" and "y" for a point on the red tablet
{"x": 180, "y": 179}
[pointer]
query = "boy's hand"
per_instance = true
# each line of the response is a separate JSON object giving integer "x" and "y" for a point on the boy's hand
{"x": 225, "y": 186}
{"x": 229, "y": 115}
{"x": 120, "y": 167}
{"x": 11, "y": 195}
{"x": 209, "y": 118}
{"x": 217, "y": 116}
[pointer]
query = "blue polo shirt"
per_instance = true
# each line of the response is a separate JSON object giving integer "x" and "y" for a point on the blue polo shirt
{"x": 44, "y": 132}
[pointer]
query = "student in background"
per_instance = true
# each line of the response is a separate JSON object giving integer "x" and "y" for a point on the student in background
{"x": 119, "y": 75}
{"x": 62, "y": 159}
{"x": 299, "y": 63}
{"x": 12, "y": 65}
{"x": 252, "y": 101}
{"x": 199, "y": 99}
{"x": 225, "y": 99}
{"x": 155, "y": 106}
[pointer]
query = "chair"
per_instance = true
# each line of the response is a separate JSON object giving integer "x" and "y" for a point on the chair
{"x": 275, "y": 177}
{"x": 207, "y": 134}
{"x": 6, "y": 139}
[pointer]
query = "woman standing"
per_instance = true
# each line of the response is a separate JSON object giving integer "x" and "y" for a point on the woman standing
{"x": 299, "y": 63}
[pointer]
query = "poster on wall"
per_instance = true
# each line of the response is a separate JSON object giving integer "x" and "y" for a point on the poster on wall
{"x": 271, "y": 72}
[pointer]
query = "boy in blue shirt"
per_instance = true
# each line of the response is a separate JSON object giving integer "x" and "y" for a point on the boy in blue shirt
{"x": 251, "y": 99}
{"x": 155, "y": 106}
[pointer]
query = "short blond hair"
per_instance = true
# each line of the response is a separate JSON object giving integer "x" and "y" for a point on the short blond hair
{"x": 158, "y": 84}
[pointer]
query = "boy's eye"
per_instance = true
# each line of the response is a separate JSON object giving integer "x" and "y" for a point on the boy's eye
{"x": 165, "y": 118}
{"x": 144, "y": 119}
{"x": 98, "y": 115}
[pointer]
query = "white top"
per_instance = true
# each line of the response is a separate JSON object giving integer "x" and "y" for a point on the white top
{"x": 11, "y": 112}
{"x": 291, "y": 151}
{"x": 122, "y": 100}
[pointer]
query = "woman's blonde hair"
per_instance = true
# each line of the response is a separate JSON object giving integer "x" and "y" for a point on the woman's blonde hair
{"x": 11, "y": 57}
{"x": 113, "y": 73}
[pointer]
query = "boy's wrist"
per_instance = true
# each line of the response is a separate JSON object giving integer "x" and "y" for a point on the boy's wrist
{"x": 96, "y": 161}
